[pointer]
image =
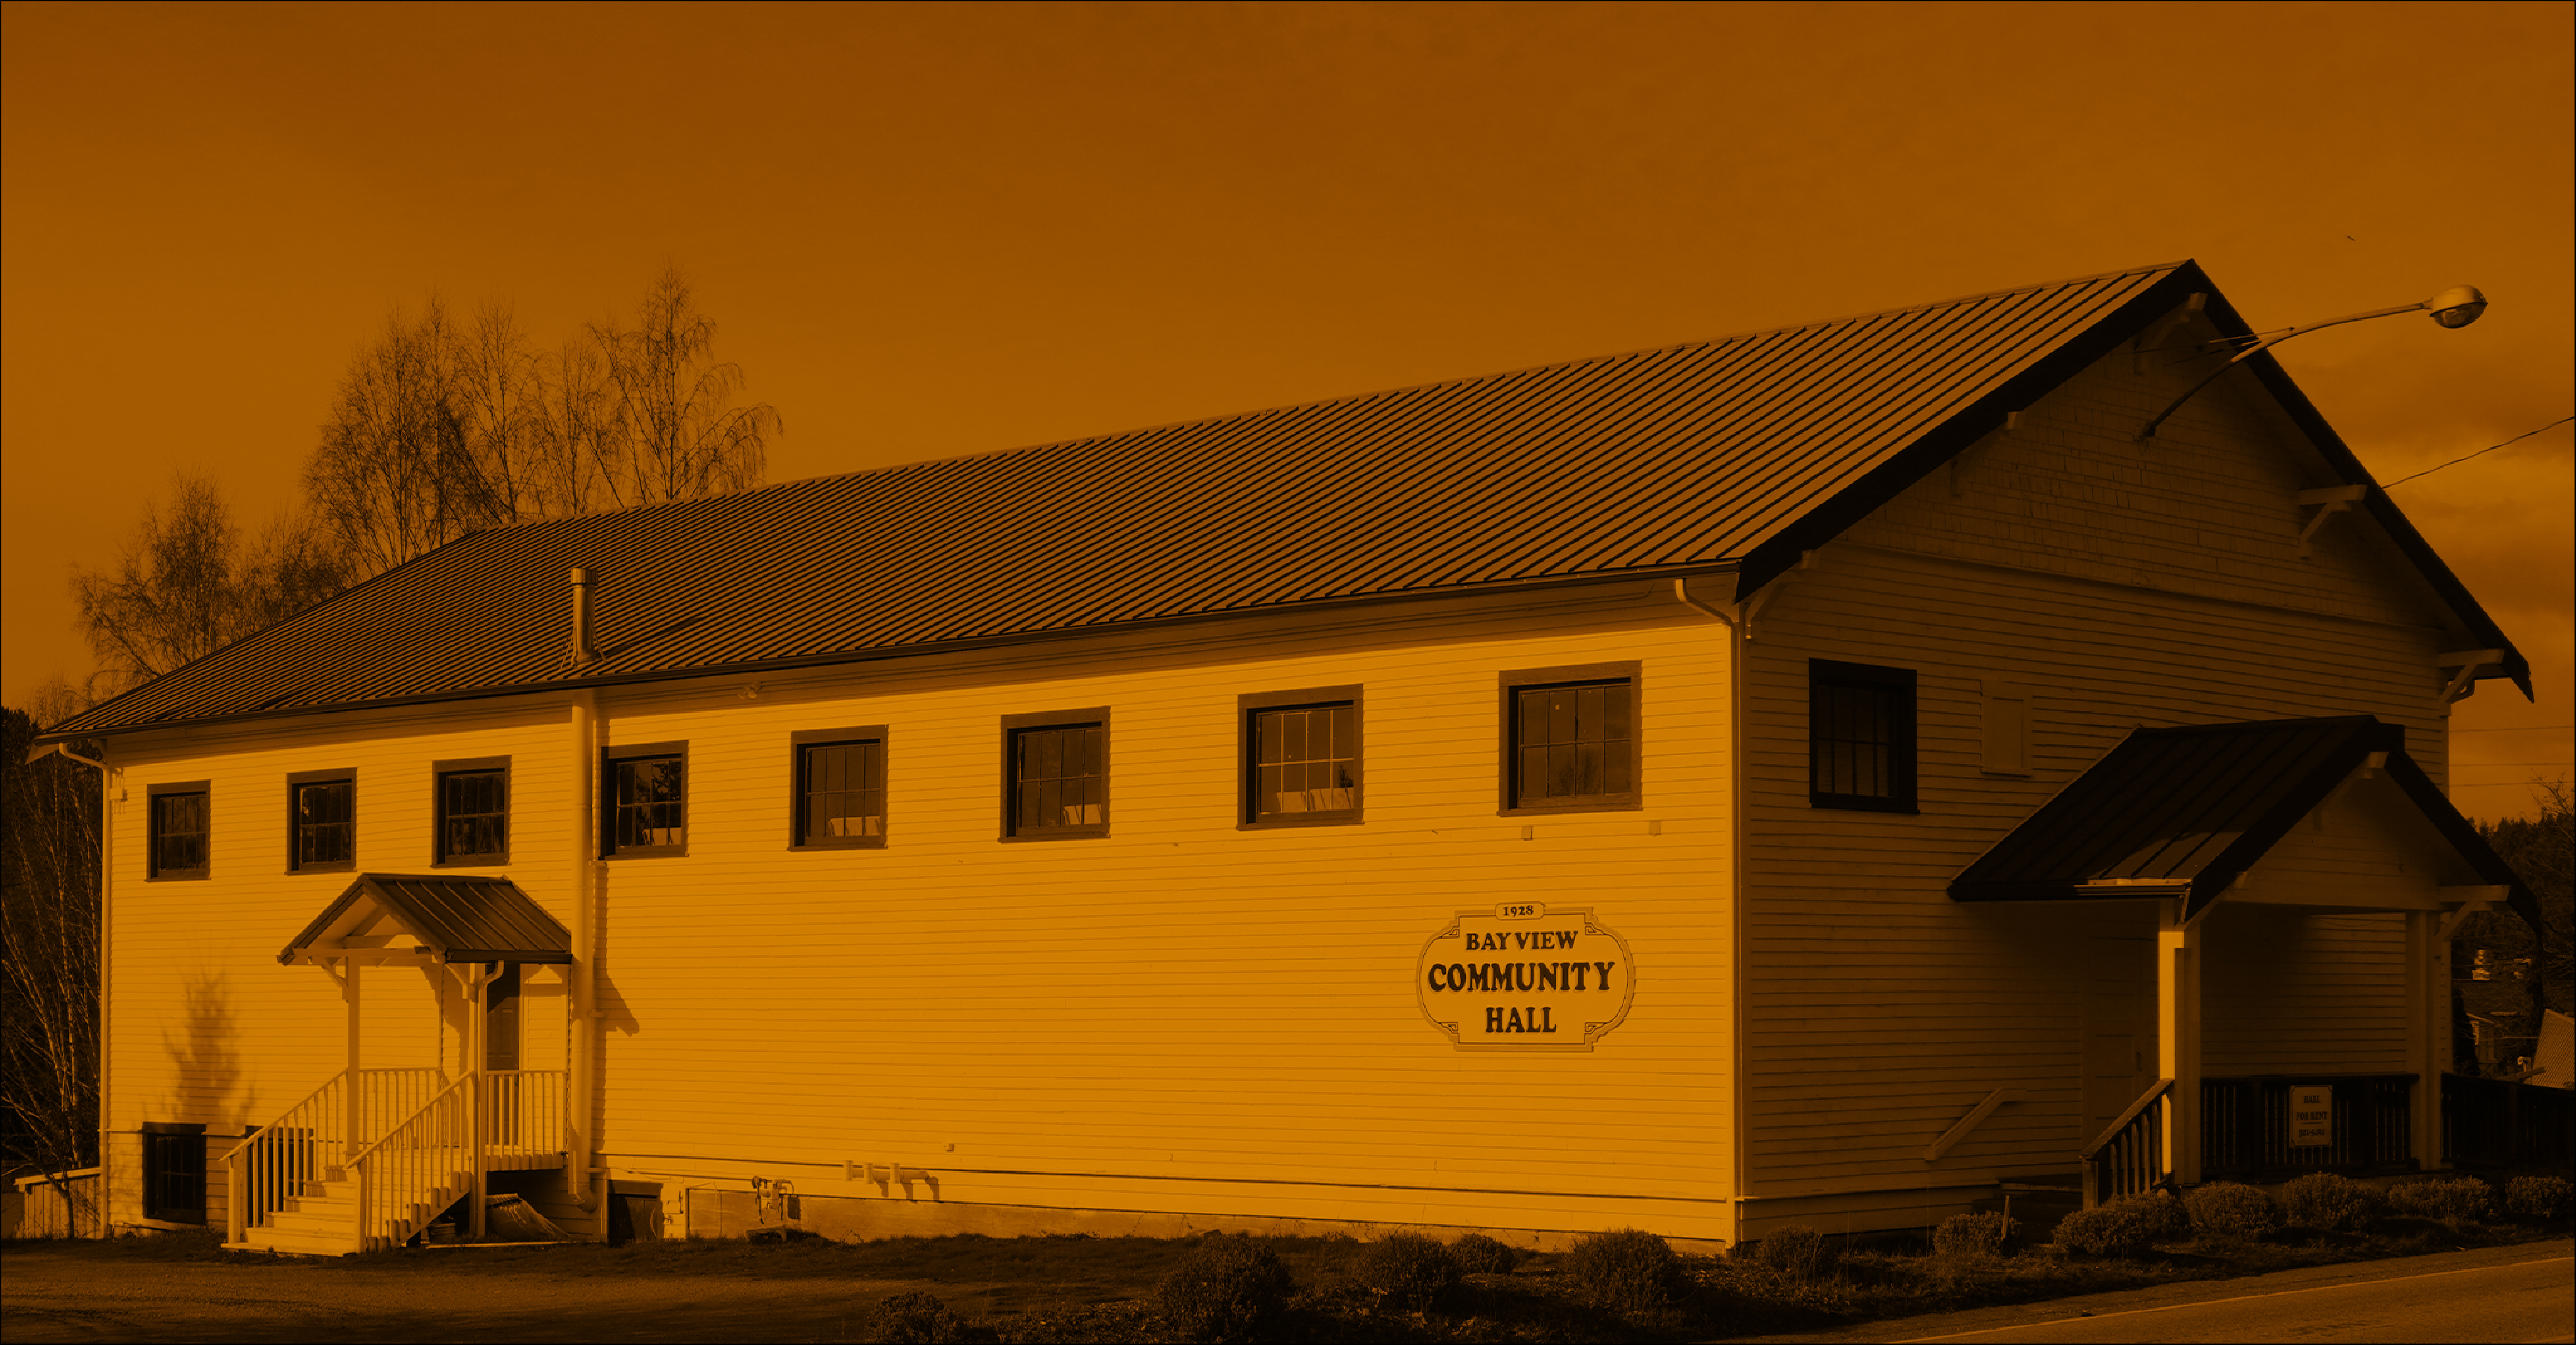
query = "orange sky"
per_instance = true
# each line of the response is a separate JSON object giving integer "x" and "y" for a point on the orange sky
{"x": 936, "y": 230}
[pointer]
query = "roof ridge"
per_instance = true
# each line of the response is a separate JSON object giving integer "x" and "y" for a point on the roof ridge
{"x": 1283, "y": 408}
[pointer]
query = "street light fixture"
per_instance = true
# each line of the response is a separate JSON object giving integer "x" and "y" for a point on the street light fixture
{"x": 2455, "y": 307}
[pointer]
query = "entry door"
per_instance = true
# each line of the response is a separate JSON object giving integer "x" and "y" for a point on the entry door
{"x": 501, "y": 1019}
{"x": 2119, "y": 1026}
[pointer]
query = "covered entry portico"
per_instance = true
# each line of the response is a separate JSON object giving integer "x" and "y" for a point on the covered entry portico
{"x": 2295, "y": 883}
{"x": 386, "y": 1145}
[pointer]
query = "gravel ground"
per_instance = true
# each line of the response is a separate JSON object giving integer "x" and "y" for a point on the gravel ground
{"x": 59, "y": 1293}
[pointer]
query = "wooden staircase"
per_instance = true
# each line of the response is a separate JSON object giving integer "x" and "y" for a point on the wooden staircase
{"x": 323, "y": 1219}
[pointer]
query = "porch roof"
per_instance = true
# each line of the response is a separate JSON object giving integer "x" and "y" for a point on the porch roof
{"x": 457, "y": 918}
{"x": 2184, "y": 812}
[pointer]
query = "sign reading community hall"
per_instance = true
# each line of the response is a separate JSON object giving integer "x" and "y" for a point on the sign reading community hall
{"x": 1520, "y": 977}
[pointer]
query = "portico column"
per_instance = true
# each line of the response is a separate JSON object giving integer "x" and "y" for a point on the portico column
{"x": 2178, "y": 1039}
{"x": 357, "y": 1097}
{"x": 2428, "y": 1035}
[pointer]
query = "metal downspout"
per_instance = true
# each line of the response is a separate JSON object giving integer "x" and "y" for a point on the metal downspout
{"x": 581, "y": 1084}
{"x": 1736, "y": 896}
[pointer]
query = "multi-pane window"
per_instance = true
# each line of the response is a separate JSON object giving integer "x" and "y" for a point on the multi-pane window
{"x": 1301, "y": 761}
{"x": 473, "y": 801}
{"x": 645, "y": 793}
{"x": 1057, "y": 777}
{"x": 840, "y": 788}
{"x": 174, "y": 1172}
{"x": 1571, "y": 744}
{"x": 1860, "y": 736}
{"x": 322, "y": 821}
{"x": 181, "y": 830}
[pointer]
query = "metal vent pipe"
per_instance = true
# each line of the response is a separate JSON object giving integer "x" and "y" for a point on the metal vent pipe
{"x": 581, "y": 650}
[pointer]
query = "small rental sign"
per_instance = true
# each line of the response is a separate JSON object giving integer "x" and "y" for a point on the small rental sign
{"x": 2311, "y": 1115}
{"x": 1522, "y": 977}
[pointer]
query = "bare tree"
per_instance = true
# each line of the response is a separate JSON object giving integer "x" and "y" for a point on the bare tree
{"x": 389, "y": 470}
{"x": 187, "y": 585}
{"x": 49, "y": 965}
{"x": 677, "y": 435}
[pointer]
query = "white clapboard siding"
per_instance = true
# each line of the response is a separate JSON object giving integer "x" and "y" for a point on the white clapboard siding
{"x": 1182, "y": 1017}
{"x": 205, "y": 1025}
{"x": 2117, "y": 585}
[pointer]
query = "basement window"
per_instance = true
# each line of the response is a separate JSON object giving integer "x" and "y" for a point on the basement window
{"x": 1860, "y": 736}
{"x": 174, "y": 1172}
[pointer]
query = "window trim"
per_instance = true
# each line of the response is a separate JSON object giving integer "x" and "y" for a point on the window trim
{"x": 438, "y": 773}
{"x": 1901, "y": 750}
{"x": 607, "y": 802}
{"x": 1247, "y": 710}
{"x": 1011, "y": 728}
{"x": 152, "y": 870}
{"x": 298, "y": 779}
{"x": 1506, "y": 731}
{"x": 153, "y": 1209}
{"x": 797, "y": 742}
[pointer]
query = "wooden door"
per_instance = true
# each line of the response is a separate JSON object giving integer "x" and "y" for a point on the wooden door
{"x": 501, "y": 1019}
{"x": 2119, "y": 1026}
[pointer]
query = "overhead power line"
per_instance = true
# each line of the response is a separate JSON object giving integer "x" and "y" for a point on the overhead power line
{"x": 2488, "y": 449}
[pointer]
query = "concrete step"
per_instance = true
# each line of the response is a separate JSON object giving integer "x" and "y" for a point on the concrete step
{"x": 274, "y": 1239}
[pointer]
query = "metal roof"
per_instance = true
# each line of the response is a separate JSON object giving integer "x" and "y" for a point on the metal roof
{"x": 2185, "y": 811}
{"x": 459, "y": 919}
{"x": 1723, "y": 456}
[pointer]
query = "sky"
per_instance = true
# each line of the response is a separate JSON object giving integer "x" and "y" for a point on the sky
{"x": 935, "y": 230}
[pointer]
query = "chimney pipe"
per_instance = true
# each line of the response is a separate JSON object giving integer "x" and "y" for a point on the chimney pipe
{"x": 581, "y": 650}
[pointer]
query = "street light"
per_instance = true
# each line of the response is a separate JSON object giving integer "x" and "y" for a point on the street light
{"x": 2455, "y": 307}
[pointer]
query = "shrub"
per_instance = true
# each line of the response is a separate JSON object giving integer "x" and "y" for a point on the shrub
{"x": 1223, "y": 1288}
{"x": 2454, "y": 1201}
{"x": 1797, "y": 1250}
{"x": 2330, "y": 1200}
{"x": 1629, "y": 1272}
{"x": 1973, "y": 1237}
{"x": 2165, "y": 1218}
{"x": 2117, "y": 1229}
{"x": 1412, "y": 1271}
{"x": 2232, "y": 1210}
{"x": 920, "y": 1319}
{"x": 2547, "y": 1199}
{"x": 1477, "y": 1254}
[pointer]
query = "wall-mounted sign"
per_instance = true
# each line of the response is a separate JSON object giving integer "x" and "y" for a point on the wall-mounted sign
{"x": 1520, "y": 977}
{"x": 2311, "y": 1115}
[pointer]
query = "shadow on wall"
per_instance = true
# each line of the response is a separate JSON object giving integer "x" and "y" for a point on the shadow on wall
{"x": 205, "y": 1064}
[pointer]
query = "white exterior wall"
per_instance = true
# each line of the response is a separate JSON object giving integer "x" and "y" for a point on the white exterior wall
{"x": 2122, "y": 586}
{"x": 1184, "y": 1017}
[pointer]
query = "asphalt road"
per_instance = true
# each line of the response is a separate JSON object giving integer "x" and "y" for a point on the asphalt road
{"x": 2519, "y": 1293}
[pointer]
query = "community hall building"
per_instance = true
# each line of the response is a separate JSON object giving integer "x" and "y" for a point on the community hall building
{"x": 1815, "y": 776}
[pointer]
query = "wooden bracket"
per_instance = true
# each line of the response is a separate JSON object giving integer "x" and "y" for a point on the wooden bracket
{"x": 2468, "y": 661}
{"x": 1751, "y": 607}
{"x": 1969, "y": 1122}
{"x": 2329, "y": 501}
{"x": 2153, "y": 338}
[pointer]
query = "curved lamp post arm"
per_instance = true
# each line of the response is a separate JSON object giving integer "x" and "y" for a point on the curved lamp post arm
{"x": 2457, "y": 306}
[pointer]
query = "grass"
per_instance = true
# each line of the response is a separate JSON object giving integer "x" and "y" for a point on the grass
{"x": 1103, "y": 1289}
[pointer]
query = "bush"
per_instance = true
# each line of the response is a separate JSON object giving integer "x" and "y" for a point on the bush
{"x": 2546, "y": 1199}
{"x": 2330, "y": 1200}
{"x": 1413, "y": 1272}
{"x": 1797, "y": 1250}
{"x": 2232, "y": 1210}
{"x": 1223, "y": 1288}
{"x": 2165, "y": 1218}
{"x": 1973, "y": 1237}
{"x": 2454, "y": 1201}
{"x": 1629, "y": 1272}
{"x": 2121, "y": 1228}
{"x": 1477, "y": 1254}
{"x": 920, "y": 1319}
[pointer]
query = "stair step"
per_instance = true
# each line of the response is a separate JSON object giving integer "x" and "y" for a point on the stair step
{"x": 274, "y": 1239}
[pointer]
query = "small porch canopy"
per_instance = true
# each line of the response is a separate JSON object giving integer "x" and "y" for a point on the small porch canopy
{"x": 2190, "y": 812}
{"x": 2208, "y": 813}
{"x": 439, "y": 918}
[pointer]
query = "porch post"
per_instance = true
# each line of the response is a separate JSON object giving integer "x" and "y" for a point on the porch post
{"x": 474, "y": 1100}
{"x": 356, "y": 1095}
{"x": 2428, "y": 1036}
{"x": 2178, "y": 1039}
